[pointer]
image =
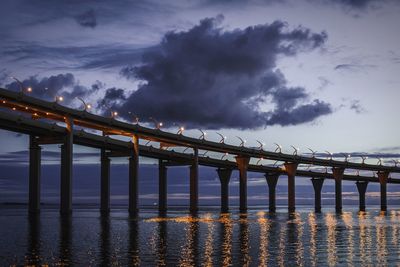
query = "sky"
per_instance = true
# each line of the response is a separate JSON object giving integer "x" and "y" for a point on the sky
{"x": 319, "y": 74}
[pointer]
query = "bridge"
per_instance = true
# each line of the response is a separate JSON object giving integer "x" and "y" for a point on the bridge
{"x": 41, "y": 121}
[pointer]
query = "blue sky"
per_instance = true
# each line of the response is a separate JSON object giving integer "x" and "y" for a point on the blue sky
{"x": 312, "y": 73}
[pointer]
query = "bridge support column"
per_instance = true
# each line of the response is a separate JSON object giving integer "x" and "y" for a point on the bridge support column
{"x": 362, "y": 188}
{"x": 105, "y": 182}
{"x": 224, "y": 177}
{"x": 34, "y": 175}
{"x": 66, "y": 169}
{"x": 133, "y": 177}
{"x": 162, "y": 187}
{"x": 194, "y": 182}
{"x": 272, "y": 180}
{"x": 291, "y": 168}
{"x": 243, "y": 163}
{"x": 383, "y": 178}
{"x": 337, "y": 173}
{"x": 317, "y": 184}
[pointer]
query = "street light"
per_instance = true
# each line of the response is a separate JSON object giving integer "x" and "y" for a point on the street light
{"x": 181, "y": 129}
{"x": 223, "y": 138}
{"x": 136, "y": 117}
{"x": 261, "y": 147}
{"x": 380, "y": 162}
{"x": 203, "y": 135}
{"x": 313, "y": 152}
{"x": 296, "y": 150}
{"x": 157, "y": 124}
{"x": 278, "y": 148}
{"x": 21, "y": 85}
{"x": 346, "y": 157}
{"x": 85, "y": 106}
{"x": 224, "y": 155}
{"x": 242, "y": 142}
{"x": 364, "y": 158}
{"x": 396, "y": 162}
{"x": 330, "y": 154}
{"x": 114, "y": 114}
{"x": 259, "y": 160}
{"x": 59, "y": 98}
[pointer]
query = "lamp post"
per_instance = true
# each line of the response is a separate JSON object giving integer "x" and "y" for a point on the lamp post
{"x": 242, "y": 141}
{"x": 85, "y": 105}
{"x": 157, "y": 124}
{"x": 223, "y": 138}
{"x": 296, "y": 150}
{"x": 261, "y": 147}
{"x": 278, "y": 148}
{"x": 21, "y": 85}
{"x": 203, "y": 135}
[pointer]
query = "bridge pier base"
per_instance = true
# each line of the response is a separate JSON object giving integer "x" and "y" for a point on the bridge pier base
{"x": 194, "y": 183}
{"x": 34, "y": 175}
{"x": 224, "y": 177}
{"x": 66, "y": 169}
{"x": 291, "y": 169}
{"x": 133, "y": 177}
{"x": 337, "y": 173}
{"x": 272, "y": 180}
{"x": 383, "y": 178}
{"x": 317, "y": 184}
{"x": 162, "y": 187}
{"x": 105, "y": 182}
{"x": 362, "y": 188}
{"x": 243, "y": 163}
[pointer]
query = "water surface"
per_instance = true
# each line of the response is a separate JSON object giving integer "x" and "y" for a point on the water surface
{"x": 209, "y": 239}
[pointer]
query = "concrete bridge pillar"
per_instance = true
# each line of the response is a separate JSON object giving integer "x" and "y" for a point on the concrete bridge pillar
{"x": 66, "y": 169}
{"x": 162, "y": 187}
{"x": 224, "y": 177}
{"x": 383, "y": 178}
{"x": 243, "y": 163}
{"x": 34, "y": 175}
{"x": 105, "y": 182}
{"x": 362, "y": 188}
{"x": 272, "y": 180}
{"x": 194, "y": 182}
{"x": 133, "y": 177}
{"x": 337, "y": 173}
{"x": 317, "y": 184}
{"x": 291, "y": 168}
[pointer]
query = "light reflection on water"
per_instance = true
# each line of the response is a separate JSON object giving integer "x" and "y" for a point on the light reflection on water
{"x": 210, "y": 239}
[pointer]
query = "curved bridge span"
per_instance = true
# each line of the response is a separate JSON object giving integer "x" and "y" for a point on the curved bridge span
{"x": 37, "y": 118}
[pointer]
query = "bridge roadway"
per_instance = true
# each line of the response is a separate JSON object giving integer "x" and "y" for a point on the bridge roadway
{"x": 46, "y": 133}
{"x": 55, "y": 111}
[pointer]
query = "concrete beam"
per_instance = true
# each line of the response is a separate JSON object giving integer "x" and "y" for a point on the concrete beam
{"x": 34, "y": 175}
{"x": 243, "y": 164}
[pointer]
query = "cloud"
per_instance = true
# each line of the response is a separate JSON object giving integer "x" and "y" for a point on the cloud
{"x": 357, "y": 107}
{"x": 211, "y": 78}
{"x": 111, "y": 98}
{"x": 57, "y": 85}
{"x": 87, "y": 19}
{"x": 354, "y": 67}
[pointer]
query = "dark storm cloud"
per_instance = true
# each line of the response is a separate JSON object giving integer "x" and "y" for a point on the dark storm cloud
{"x": 208, "y": 77}
{"x": 58, "y": 85}
{"x": 112, "y": 97}
{"x": 87, "y": 19}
